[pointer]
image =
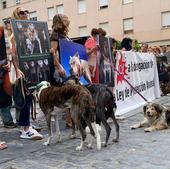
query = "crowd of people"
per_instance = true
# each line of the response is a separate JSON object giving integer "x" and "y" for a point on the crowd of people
{"x": 60, "y": 30}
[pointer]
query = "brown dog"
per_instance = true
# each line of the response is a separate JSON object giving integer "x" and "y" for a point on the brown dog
{"x": 156, "y": 117}
{"x": 81, "y": 107}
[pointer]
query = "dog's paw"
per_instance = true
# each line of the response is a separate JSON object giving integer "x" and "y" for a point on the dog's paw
{"x": 46, "y": 143}
{"x": 115, "y": 140}
{"x": 79, "y": 148}
{"x": 134, "y": 127}
{"x": 104, "y": 144}
{"x": 99, "y": 147}
{"x": 147, "y": 130}
{"x": 73, "y": 136}
{"x": 89, "y": 146}
{"x": 59, "y": 140}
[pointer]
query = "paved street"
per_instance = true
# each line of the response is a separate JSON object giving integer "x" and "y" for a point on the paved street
{"x": 135, "y": 150}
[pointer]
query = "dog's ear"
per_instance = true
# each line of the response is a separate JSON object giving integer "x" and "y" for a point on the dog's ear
{"x": 158, "y": 108}
{"x": 71, "y": 57}
{"x": 92, "y": 88}
{"x": 144, "y": 109}
{"x": 77, "y": 54}
{"x": 167, "y": 115}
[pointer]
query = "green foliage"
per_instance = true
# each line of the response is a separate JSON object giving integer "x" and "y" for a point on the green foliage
{"x": 136, "y": 45}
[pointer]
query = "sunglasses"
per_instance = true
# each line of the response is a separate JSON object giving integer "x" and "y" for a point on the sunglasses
{"x": 23, "y": 12}
{"x": 8, "y": 21}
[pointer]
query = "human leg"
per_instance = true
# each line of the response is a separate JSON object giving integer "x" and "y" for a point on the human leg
{"x": 24, "y": 121}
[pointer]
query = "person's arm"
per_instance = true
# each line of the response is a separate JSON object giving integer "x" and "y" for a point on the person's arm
{"x": 54, "y": 52}
{"x": 94, "y": 49}
{"x": 6, "y": 67}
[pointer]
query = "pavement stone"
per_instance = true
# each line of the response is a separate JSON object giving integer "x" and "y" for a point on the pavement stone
{"x": 135, "y": 150}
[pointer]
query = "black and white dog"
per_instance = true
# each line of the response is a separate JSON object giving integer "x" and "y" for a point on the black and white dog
{"x": 105, "y": 104}
{"x": 105, "y": 107}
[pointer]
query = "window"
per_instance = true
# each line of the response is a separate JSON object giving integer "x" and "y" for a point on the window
{"x": 60, "y": 9}
{"x": 103, "y": 4}
{"x": 166, "y": 19}
{"x": 51, "y": 13}
{"x": 105, "y": 26}
{"x": 17, "y": 1}
{"x": 128, "y": 25}
{"x": 33, "y": 16}
{"x": 82, "y": 31}
{"x": 4, "y": 4}
{"x": 127, "y": 1}
{"x": 81, "y": 6}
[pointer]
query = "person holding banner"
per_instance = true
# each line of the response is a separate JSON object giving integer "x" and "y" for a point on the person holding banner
{"x": 91, "y": 48}
{"x": 102, "y": 32}
{"x": 24, "y": 117}
{"x": 126, "y": 44}
{"x": 60, "y": 29}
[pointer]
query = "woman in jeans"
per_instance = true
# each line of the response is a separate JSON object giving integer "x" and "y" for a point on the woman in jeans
{"x": 24, "y": 118}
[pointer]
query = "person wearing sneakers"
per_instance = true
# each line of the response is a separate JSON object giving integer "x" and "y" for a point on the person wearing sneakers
{"x": 24, "y": 116}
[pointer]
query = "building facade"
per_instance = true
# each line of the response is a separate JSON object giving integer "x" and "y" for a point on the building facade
{"x": 144, "y": 20}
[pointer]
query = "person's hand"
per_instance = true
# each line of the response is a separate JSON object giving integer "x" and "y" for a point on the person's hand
{"x": 95, "y": 48}
{"x": 9, "y": 51}
{"x": 6, "y": 67}
{"x": 52, "y": 51}
{"x": 19, "y": 73}
{"x": 61, "y": 71}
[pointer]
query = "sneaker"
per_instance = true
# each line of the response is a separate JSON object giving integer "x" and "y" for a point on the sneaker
{"x": 36, "y": 127}
{"x": 31, "y": 134}
{"x": 10, "y": 125}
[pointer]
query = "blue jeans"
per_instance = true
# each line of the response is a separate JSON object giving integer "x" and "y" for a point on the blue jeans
{"x": 6, "y": 115}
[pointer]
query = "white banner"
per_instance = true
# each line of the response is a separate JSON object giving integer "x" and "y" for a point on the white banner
{"x": 140, "y": 70}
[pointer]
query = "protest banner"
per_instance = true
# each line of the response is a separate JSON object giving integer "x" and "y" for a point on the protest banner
{"x": 32, "y": 43}
{"x": 105, "y": 61}
{"x": 140, "y": 70}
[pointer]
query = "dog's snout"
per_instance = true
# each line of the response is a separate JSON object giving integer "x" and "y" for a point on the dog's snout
{"x": 148, "y": 113}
